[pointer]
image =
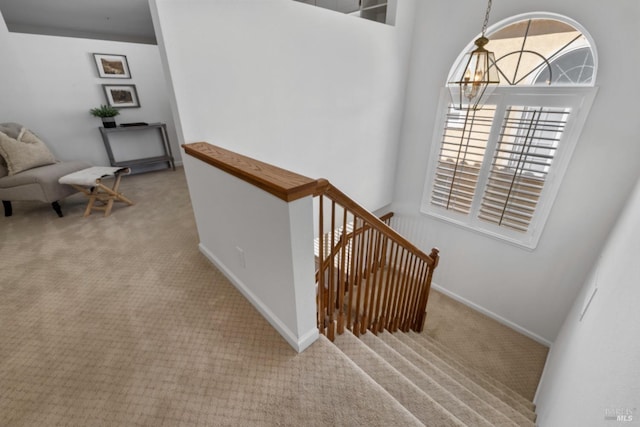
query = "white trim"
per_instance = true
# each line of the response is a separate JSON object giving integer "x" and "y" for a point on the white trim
{"x": 298, "y": 343}
{"x": 544, "y": 374}
{"x": 491, "y": 314}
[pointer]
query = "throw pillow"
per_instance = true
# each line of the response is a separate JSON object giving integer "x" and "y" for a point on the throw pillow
{"x": 25, "y": 152}
{"x": 11, "y": 129}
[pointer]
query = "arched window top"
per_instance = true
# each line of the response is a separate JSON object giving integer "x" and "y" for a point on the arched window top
{"x": 541, "y": 49}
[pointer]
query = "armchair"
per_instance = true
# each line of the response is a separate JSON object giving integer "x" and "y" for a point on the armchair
{"x": 28, "y": 170}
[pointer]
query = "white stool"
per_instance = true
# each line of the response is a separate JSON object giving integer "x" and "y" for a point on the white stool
{"x": 89, "y": 181}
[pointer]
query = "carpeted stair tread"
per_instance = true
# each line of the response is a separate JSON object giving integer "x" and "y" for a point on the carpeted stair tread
{"x": 451, "y": 375}
{"x": 425, "y": 381}
{"x": 423, "y": 406}
{"x": 452, "y": 355}
{"x": 449, "y": 356}
{"x": 455, "y": 370}
{"x": 456, "y": 360}
{"x": 372, "y": 391}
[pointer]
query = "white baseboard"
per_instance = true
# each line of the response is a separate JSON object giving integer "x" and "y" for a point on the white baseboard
{"x": 298, "y": 343}
{"x": 492, "y": 315}
{"x": 543, "y": 376}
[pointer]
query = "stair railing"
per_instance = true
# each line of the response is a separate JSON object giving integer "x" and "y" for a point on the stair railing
{"x": 369, "y": 277}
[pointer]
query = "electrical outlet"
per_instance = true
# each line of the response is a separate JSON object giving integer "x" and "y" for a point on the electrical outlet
{"x": 241, "y": 258}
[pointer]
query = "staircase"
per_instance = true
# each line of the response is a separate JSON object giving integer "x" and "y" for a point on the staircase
{"x": 372, "y": 282}
{"x": 373, "y": 287}
{"x": 432, "y": 383}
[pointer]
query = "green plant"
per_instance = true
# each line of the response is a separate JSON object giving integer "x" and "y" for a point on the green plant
{"x": 104, "y": 111}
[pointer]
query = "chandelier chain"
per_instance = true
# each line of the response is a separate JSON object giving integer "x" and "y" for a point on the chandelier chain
{"x": 486, "y": 18}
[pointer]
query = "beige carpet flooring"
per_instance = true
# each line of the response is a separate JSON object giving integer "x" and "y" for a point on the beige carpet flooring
{"x": 121, "y": 321}
{"x": 488, "y": 346}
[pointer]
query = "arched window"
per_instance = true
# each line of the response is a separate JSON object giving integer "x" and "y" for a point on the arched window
{"x": 497, "y": 170}
{"x": 542, "y": 51}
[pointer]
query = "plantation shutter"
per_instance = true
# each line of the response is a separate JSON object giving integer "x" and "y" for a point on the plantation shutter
{"x": 462, "y": 152}
{"x": 526, "y": 148}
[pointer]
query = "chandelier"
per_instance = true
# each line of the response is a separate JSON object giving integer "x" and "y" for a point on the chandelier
{"x": 476, "y": 76}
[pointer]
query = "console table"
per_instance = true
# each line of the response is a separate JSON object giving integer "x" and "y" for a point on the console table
{"x": 161, "y": 127}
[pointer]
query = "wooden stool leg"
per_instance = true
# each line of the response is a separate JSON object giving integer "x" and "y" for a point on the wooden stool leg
{"x": 114, "y": 192}
{"x": 106, "y": 195}
{"x": 107, "y": 210}
{"x": 120, "y": 196}
{"x": 92, "y": 199}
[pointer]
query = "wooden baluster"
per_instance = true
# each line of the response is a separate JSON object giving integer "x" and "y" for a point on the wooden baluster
{"x": 415, "y": 292}
{"x": 420, "y": 284}
{"x": 352, "y": 272}
{"x": 357, "y": 273}
{"x": 321, "y": 294}
{"x": 342, "y": 279}
{"x": 361, "y": 266}
{"x": 405, "y": 290}
{"x": 401, "y": 289}
{"x": 421, "y": 308}
{"x": 397, "y": 291}
{"x": 371, "y": 279}
{"x": 331, "y": 304}
{"x": 364, "y": 323}
{"x": 388, "y": 291}
{"x": 425, "y": 292}
{"x": 394, "y": 289}
{"x": 380, "y": 284}
{"x": 409, "y": 286}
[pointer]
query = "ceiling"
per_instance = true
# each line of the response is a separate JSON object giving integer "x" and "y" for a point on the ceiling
{"x": 118, "y": 20}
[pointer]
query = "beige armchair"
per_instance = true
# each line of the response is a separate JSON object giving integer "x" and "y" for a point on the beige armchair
{"x": 28, "y": 170}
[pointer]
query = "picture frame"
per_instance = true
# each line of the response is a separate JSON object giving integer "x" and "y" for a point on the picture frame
{"x": 112, "y": 66}
{"x": 121, "y": 96}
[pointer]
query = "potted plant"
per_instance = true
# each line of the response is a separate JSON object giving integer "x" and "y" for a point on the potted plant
{"x": 107, "y": 114}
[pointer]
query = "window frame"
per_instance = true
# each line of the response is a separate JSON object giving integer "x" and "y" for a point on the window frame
{"x": 579, "y": 98}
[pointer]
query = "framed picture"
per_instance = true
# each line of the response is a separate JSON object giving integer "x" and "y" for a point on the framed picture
{"x": 112, "y": 66}
{"x": 121, "y": 96}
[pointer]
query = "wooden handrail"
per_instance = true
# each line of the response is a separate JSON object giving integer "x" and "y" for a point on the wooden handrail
{"x": 284, "y": 184}
{"x": 287, "y": 185}
{"x": 384, "y": 277}
{"x": 337, "y": 195}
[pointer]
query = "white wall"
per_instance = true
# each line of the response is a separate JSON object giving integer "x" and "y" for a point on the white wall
{"x": 49, "y": 84}
{"x": 263, "y": 244}
{"x": 305, "y": 88}
{"x": 593, "y": 369}
{"x": 531, "y": 291}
